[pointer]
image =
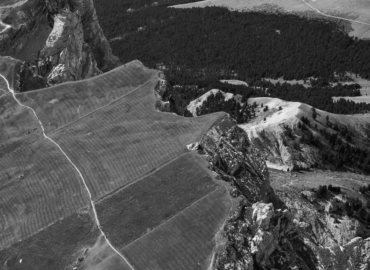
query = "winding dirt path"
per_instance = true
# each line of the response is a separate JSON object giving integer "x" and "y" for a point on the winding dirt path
{"x": 331, "y": 16}
{"x": 77, "y": 170}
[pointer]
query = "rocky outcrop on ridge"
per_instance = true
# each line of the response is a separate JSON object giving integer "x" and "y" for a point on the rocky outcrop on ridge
{"x": 275, "y": 231}
{"x": 234, "y": 159}
{"x": 58, "y": 40}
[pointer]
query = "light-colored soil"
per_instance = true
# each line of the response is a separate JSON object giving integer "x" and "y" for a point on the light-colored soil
{"x": 358, "y": 10}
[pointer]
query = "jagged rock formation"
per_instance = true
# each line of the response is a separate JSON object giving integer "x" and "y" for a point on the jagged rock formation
{"x": 236, "y": 161}
{"x": 59, "y": 40}
{"x": 338, "y": 242}
{"x": 275, "y": 231}
{"x": 260, "y": 237}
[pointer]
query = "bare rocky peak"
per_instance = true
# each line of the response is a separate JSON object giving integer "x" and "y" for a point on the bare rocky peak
{"x": 58, "y": 40}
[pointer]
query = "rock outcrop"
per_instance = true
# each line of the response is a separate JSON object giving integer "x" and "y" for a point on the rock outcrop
{"x": 58, "y": 40}
{"x": 231, "y": 156}
{"x": 260, "y": 237}
{"x": 275, "y": 231}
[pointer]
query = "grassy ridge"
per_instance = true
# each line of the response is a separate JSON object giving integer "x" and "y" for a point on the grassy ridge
{"x": 154, "y": 199}
{"x": 184, "y": 242}
{"x": 37, "y": 187}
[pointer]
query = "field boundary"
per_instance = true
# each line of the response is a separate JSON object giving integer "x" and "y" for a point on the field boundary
{"x": 174, "y": 216}
{"x": 76, "y": 168}
{"x": 88, "y": 79}
{"x": 102, "y": 107}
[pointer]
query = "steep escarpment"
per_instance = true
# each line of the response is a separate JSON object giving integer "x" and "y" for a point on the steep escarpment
{"x": 236, "y": 161}
{"x": 58, "y": 40}
{"x": 283, "y": 230}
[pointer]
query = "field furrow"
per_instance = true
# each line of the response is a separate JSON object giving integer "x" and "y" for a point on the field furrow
{"x": 184, "y": 242}
{"x": 39, "y": 190}
{"x": 144, "y": 205}
{"x": 62, "y": 104}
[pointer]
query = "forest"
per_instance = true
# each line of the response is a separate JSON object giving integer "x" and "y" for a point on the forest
{"x": 197, "y": 47}
{"x": 212, "y": 42}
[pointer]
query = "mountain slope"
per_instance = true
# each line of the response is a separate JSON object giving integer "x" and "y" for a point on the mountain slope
{"x": 276, "y": 131}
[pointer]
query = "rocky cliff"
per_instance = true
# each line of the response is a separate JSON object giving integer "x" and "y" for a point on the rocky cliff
{"x": 58, "y": 40}
{"x": 268, "y": 230}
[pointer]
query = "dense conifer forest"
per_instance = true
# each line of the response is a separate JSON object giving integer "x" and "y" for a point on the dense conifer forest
{"x": 197, "y": 47}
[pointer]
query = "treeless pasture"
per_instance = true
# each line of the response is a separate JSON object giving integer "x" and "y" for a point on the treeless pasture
{"x": 144, "y": 205}
{"x": 37, "y": 187}
{"x": 184, "y": 242}
{"x": 57, "y": 247}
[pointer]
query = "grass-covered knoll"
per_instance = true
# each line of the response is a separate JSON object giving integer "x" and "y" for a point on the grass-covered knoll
{"x": 57, "y": 247}
{"x": 185, "y": 241}
{"x": 63, "y": 104}
{"x": 147, "y": 203}
{"x": 38, "y": 186}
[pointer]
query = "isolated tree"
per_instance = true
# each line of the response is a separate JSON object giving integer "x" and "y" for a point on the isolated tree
{"x": 314, "y": 114}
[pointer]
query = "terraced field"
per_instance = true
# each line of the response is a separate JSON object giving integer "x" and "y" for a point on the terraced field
{"x": 53, "y": 248}
{"x": 124, "y": 138}
{"x": 132, "y": 159}
{"x": 184, "y": 242}
{"x": 37, "y": 187}
{"x": 147, "y": 203}
{"x": 64, "y": 104}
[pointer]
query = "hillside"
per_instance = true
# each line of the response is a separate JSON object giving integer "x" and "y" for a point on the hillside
{"x": 276, "y": 131}
{"x": 188, "y": 160}
{"x": 356, "y": 13}
{"x": 65, "y": 177}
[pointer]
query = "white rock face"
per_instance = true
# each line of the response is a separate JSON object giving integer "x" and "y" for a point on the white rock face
{"x": 262, "y": 214}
